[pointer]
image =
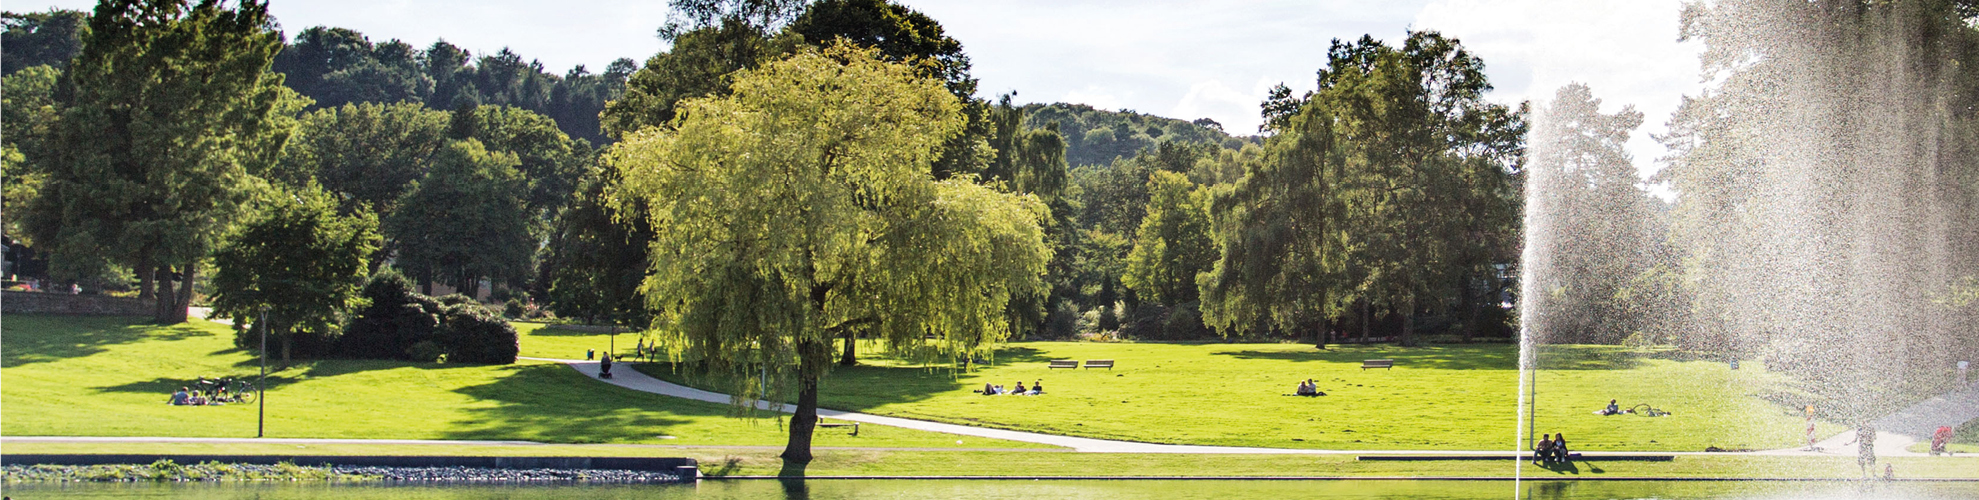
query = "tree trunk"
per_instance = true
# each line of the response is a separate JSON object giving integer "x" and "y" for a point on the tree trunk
{"x": 146, "y": 274}
{"x": 1471, "y": 303}
{"x": 179, "y": 311}
{"x": 1409, "y": 322}
{"x": 1367, "y": 320}
{"x": 161, "y": 305}
{"x": 851, "y": 355}
{"x": 805, "y": 420}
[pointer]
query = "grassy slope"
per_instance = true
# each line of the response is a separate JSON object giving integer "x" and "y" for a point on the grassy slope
{"x": 1443, "y": 397}
{"x": 79, "y": 376}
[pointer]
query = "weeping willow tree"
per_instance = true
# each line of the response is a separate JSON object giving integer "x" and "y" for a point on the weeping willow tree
{"x": 800, "y": 206}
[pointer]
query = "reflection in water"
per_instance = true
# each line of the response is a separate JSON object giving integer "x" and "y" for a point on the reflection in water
{"x": 1011, "y": 489}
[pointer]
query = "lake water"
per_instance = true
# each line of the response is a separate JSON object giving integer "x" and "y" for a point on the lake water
{"x": 999, "y": 489}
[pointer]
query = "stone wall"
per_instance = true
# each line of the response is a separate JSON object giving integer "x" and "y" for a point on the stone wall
{"x": 61, "y": 303}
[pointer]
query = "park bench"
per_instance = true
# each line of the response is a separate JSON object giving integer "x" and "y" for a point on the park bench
{"x": 853, "y": 425}
{"x": 1099, "y": 363}
{"x": 1378, "y": 363}
{"x": 1065, "y": 363}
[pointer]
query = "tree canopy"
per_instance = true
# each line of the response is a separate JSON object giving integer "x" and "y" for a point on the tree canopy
{"x": 169, "y": 111}
{"x": 801, "y": 205}
{"x": 1396, "y": 189}
{"x": 299, "y": 261}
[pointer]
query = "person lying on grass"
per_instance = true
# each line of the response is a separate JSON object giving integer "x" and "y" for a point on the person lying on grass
{"x": 1612, "y": 409}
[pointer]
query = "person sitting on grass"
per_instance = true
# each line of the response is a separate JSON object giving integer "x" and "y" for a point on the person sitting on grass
{"x": 197, "y": 399}
{"x": 1020, "y": 388}
{"x": 1612, "y": 409}
{"x": 1560, "y": 451}
{"x": 1037, "y": 387}
{"x": 1543, "y": 452}
{"x": 180, "y": 398}
{"x": 1305, "y": 388}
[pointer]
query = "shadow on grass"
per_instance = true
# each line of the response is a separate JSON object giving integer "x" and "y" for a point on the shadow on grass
{"x": 1470, "y": 357}
{"x": 165, "y": 386}
{"x": 1434, "y": 357}
{"x": 37, "y": 338}
{"x": 552, "y": 403}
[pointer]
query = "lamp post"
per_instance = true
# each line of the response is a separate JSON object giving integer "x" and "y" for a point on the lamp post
{"x": 261, "y": 387}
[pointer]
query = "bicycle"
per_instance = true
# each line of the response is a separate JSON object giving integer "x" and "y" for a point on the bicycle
{"x": 238, "y": 390}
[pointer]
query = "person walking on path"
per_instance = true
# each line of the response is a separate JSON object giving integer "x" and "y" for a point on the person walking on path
{"x": 605, "y": 366}
{"x": 1865, "y": 441}
{"x": 1811, "y": 439}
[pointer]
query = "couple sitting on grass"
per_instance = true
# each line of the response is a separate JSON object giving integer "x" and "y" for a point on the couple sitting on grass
{"x": 997, "y": 390}
{"x": 1551, "y": 448}
{"x": 1308, "y": 388}
{"x": 194, "y": 398}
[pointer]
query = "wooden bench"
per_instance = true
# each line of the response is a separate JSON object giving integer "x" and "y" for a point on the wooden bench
{"x": 853, "y": 425}
{"x": 1099, "y": 363}
{"x": 1065, "y": 363}
{"x": 1378, "y": 363}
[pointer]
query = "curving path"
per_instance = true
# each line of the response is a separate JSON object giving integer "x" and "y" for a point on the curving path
{"x": 1896, "y": 432}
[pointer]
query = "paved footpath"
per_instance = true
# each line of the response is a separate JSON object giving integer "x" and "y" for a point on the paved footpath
{"x": 1896, "y": 432}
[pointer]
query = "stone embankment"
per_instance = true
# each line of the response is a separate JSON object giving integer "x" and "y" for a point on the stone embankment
{"x": 166, "y": 471}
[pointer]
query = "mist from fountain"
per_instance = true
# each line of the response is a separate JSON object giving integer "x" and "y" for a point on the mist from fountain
{"x": 1827, "y": 204}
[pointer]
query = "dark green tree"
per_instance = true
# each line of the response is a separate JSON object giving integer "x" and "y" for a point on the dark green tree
{"x": 299, "y": 261}
{"x": 596, "y": 258}
{"x": 368, "y": 154}
{"x": 49, "y": 38}
{"x": 467, "y": 219}
{"x": 27, "y": 117}
{"x": 169, "y": 111}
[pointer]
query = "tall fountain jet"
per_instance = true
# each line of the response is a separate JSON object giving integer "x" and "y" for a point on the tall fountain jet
{"x": 1826, "y": 212}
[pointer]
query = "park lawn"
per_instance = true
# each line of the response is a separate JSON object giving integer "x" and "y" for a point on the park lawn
{"x": 541, "y": 340}
{"x": 740, "y": 461}
{"x": 1436, "y": 397}
{"x": 96, "y": 376}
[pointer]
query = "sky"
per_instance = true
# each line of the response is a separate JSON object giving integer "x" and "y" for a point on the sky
{"x": 1181, "y": 59}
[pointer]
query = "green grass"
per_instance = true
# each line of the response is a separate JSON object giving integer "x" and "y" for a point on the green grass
{"x": 550, "y": 341}
{"x": 93, "y": 376}
{"x": 1439, "y": 397}
{"x": 868, "y": 462}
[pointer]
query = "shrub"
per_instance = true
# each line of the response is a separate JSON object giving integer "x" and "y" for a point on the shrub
{"x": 472, "y": 335}
{"x": 426, "y": 350}
{"x": 395, "y": 319}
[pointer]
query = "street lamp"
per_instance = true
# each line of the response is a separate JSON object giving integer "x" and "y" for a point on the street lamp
{"x": 261, "y": 388}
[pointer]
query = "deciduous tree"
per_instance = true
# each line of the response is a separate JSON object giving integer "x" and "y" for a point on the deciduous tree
{"x": 169, "y": 110}
{"x": 801, "y": 205}
{"x": 299, "y": 261}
